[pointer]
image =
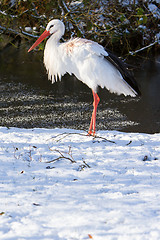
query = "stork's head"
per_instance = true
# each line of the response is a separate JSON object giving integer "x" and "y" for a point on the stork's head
{"x": 54, "y": 27}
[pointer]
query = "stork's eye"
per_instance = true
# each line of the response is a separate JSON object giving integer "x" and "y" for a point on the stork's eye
{"x": 51, "y": 26}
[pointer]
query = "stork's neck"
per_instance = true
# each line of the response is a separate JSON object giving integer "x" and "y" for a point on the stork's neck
{"x": 55, "y": 38}
{"x": 52, "y": 46}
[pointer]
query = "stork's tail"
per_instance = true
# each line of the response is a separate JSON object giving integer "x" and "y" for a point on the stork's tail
{"x": 126, "y": 74}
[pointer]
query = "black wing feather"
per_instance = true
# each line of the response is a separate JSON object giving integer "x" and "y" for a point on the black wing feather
{"x": 126, "y": 74}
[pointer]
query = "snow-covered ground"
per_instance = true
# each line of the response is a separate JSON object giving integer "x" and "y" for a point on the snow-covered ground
{"x": 62, "y": 184}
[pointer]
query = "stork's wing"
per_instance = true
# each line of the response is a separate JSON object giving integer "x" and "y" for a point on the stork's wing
{"x": 126, "y": 74}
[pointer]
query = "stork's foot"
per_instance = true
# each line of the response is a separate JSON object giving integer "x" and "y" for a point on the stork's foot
{"x": 91, "y": 133}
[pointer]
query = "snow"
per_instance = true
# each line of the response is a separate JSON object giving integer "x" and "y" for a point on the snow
{"x": 28, "y": 29}
{"x": 106, "y": 187}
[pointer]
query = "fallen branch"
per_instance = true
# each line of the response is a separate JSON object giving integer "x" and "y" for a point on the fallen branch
{"x": 81, "y": 134}
{"x": 104, "y": 139}
{"x": 62, "y": 156}
{"x": 68, "y": 157}
{"x": 84, "y": 165}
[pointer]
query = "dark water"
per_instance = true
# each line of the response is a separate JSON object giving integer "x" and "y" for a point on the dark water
{"x": 28, "y": 99}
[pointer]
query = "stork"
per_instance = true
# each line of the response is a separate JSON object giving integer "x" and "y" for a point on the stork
{"x": 88, "y": 61}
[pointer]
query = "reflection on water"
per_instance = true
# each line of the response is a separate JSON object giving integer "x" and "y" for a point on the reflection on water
{"x": 28, "y": 99}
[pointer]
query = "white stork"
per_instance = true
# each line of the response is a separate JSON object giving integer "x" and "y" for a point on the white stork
{"x": 88, "y": 61}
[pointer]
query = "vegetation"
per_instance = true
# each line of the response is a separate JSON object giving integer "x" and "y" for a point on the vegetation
{"x": 126, "y": 27}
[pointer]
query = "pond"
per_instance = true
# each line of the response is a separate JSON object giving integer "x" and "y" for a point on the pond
{"x": 29, "y": 100}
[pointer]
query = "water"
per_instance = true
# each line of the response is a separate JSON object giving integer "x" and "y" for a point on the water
{"x": 28, "y": 99}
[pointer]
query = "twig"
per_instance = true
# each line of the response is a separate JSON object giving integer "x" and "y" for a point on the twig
{"x": 34, "y": 8}
{"x": 62, "y": 156}
{"x": 66, "y": 9}
{"x": 29, "y": 34}
{"x": 104, "y": 139}
{"x": 141, "y": 49}
{"x": 6, "y": 14}
{"x": 81, "y": 134}
{"x": 14, "y": 32}
{"x": 129, "y": 143}
{"x": 84, "y": 165}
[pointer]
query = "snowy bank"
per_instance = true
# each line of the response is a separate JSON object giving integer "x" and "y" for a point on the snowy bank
{"x": 61, "y": 184}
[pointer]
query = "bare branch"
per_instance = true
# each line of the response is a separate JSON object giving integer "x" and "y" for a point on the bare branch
{"x": 141, "y": 49}
{"x": 66, "y": 9}
{"x": 6, "y": 14}
{"x": 63, "y": 155}
{"x": 84, "y": 165}
{"x": 64, "y": 135}
{"x": 14, "y": 32}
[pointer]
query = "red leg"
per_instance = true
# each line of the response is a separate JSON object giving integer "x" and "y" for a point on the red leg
{"x": 92, "y": 127}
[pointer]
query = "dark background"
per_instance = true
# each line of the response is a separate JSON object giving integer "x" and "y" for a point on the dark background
{"x": 28, "y": 99}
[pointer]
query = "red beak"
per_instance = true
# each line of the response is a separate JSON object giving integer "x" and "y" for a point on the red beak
{"x": 40, "y": 39}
